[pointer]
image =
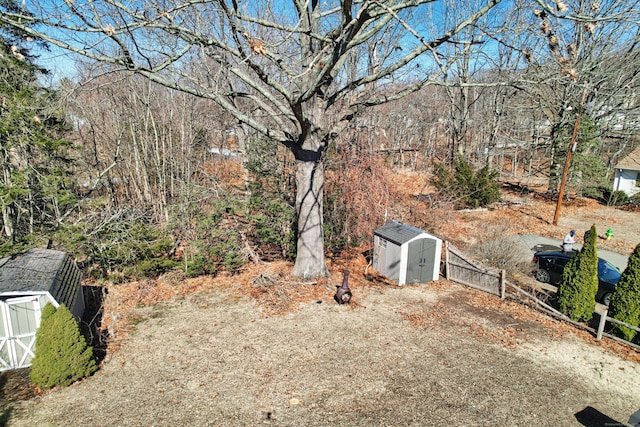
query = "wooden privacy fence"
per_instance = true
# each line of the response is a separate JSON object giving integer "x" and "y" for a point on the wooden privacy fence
{"x": 531, "y": 298}
{"x": 604, "y": 318}
{"x": 461, "y": 269}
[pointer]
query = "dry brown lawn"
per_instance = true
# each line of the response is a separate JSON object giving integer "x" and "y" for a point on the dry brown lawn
{"x": 261, "y": 349}
{"x": 435, "y": 354}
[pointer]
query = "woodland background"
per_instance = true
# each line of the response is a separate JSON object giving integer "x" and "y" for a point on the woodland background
{"x": 136, "y": 179}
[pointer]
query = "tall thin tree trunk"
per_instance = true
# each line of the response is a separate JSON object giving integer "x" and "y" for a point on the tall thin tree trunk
{"x": 7, "y": 220}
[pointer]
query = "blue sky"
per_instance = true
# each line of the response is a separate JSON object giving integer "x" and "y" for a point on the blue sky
{"x": 60, "y": 63}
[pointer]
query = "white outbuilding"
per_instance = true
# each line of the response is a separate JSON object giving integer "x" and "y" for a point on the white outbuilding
{"x": 28, "y": 281}
{"x": 627, "y": 176}
{"x": 406, "y": 254}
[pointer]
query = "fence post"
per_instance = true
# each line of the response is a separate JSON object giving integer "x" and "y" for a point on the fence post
{"x": 502, "y": 283}
{"x": 446, "y": 260}
{"x": 603, "y": 321}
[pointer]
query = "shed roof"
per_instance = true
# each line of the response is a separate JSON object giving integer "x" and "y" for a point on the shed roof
{"x": 398, "y": 232}
{"x": 632, "y": 161}
{"x": 32, "y": 271}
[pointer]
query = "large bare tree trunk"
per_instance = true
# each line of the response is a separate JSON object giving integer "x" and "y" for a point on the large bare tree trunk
{"x": 310, "y": 191}
{"x": 310, "y": 184}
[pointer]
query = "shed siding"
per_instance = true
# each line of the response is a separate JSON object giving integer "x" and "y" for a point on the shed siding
{"x": 20, "y": 320}
{"x": 4, "y": 339}
{"x": 387, "y": 258}
{"x": 66, "y": 289}
{"x": 25, "y": 318}
{"x": 421, "y": 261}
{"x": 393, "y": 262}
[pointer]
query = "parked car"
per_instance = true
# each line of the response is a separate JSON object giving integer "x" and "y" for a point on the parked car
{"x": 550, "y": 265}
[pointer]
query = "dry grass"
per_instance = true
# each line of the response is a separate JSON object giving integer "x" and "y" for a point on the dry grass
{"x": 435, "y": 354}
{"x": 261, "y": 348}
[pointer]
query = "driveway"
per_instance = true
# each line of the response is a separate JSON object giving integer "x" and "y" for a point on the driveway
{"x": 532, "y": 243}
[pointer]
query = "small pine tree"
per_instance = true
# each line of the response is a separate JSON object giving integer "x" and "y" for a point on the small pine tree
{"x": 62, "y": 355}
{"x": 625, "y": 300}
{"x": 485, "y": 189}
{"x": 579, "y": 285}
{"x": 471, "y": 189}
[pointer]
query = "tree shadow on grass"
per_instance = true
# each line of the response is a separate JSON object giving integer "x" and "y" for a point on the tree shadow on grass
{"x": 591, "y": 417}
{"x": 5, "y": 414}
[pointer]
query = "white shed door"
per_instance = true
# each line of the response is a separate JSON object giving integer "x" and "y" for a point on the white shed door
{"x": 20, "y": 318}
{"x": 421, "y": 260}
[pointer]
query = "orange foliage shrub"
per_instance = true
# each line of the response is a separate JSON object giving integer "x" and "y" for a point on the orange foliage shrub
{"x": 357, "y": 197}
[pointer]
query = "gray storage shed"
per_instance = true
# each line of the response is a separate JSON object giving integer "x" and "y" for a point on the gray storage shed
{"x": 406, "y": 254}
{"x": 28, "y": 281}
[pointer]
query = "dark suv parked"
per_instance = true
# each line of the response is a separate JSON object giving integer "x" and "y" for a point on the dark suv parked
{"x": 550, "y": 265}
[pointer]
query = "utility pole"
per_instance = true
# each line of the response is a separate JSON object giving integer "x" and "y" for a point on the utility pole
{"x": 567, "y": 163}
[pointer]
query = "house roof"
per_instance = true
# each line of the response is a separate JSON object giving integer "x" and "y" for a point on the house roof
{"x": 35, "y": 270}
{"x": 632, "y": 161}
{"x": 398, "y": 232}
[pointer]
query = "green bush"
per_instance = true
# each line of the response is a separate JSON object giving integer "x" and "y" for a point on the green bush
{"x": 118, "y": 244}
{"x": 625, "y": 300}
{"x": 468, "y": 188}
{"x": 219, "y": 242}
{"x": 195, "y": 265}
{"x": 607, "y": 196}
{"x": 484, "y": 189}
{"x": 62, "y": 355}
{"x": 596, "y": 193}
{"x": 154, "y": 267}
{"x": 273, "y": 218}
{"x": 617, "y": 198}
{"x": 579, "y": 286}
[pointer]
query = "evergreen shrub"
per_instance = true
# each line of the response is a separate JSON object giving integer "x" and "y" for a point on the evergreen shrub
{"x": 273, "y": 218}
{"x": 617, "y": 198}
{"x": 579, "y": 286}
{"x": 118, "y": 245}
{"x": 218, "y": 241}
{"x": 469, "y": 189}
{"x": 625, "y": 300}
{"x": 62, "y": 355}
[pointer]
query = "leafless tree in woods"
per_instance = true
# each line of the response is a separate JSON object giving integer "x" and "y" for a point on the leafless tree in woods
{"x": 297, "y": 72}
{"x": 516, "y": 81}
{"x": 463, "y": 52}
{"x": 583, "y": 48}
{"x": 144, "y": 143}
{"x": 500, "y": 115}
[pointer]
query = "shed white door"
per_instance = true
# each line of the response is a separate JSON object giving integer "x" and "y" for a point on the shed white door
{"x": 421, "y": 260}
{"x": 19, "y": 320}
